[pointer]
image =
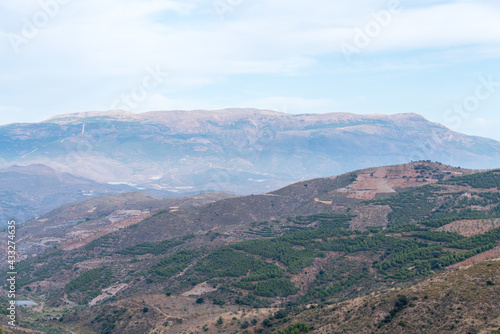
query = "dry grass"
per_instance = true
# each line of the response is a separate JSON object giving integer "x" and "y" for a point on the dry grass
{"x": 492, "y": 254}
{"x": 471, "y": 227}
{"x": 457, "y": 301}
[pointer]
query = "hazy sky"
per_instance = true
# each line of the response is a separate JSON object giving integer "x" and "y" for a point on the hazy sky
{"x": 440, "y": 59}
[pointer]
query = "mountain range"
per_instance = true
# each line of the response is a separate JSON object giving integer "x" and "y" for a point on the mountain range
{"x": 242, "y": 151}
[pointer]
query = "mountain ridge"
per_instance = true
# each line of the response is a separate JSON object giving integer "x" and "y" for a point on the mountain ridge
{"x": 228, "y": 112}
{"x": 241, "y": 151}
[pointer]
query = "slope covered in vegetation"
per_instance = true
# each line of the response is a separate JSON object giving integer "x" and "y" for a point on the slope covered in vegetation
{"x": 328, "y": 258}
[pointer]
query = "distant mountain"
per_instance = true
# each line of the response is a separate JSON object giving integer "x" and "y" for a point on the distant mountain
{"x": 242, "y": 151}
{"x": 29, "y": 191}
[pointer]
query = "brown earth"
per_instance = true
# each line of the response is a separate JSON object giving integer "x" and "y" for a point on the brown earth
{"x": 471, "y": 227}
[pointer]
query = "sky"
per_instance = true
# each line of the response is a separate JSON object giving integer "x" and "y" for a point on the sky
{"x": 440, "y": 59}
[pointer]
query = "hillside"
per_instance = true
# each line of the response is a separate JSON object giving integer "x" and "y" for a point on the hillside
{"x": 233, "y": 215}
{"x": 459, "y": 301}
{"x": 259, "y": 262}
{"x": 325, "y": 195}
{"x": 244, "y": 151}
{"x": 76, "y": 224}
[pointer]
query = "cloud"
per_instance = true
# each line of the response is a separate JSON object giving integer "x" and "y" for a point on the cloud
{"x": 443, "y": 27}
{"x": 120, "y": 37}
{"x": 98, "y": 48}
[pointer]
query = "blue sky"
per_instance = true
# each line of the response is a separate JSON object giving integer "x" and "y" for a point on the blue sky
{"x": 440, "y": 59}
